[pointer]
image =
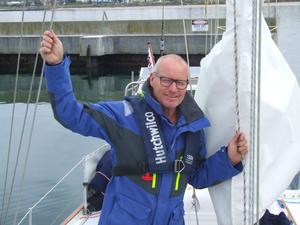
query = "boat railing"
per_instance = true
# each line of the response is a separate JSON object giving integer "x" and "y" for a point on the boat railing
{"x": 88, "y": 170}
{"x": 133, "y": 87}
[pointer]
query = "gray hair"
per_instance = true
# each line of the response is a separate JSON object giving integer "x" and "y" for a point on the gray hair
{"x": 174, "y": 57}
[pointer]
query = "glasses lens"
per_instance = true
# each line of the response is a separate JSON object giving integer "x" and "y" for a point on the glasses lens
{"x": 166, "y": 82}
{"x": 181, "y": 84}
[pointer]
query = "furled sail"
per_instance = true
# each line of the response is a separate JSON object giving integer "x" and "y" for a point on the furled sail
{"x": 279, "y": 110}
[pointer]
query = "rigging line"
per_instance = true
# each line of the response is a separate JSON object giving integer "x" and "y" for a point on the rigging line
{"x": 185, "y": 41}
{"x": 162, "y": 44}
{"x": 254, "y": 103}
{"x": 236, "y": 70}
{"x": 12, "y": 121}
{"x": 45, "y": 195}
{"x": 276, "y": 15}
{"x": 62, "y": 212}
{"x": 189, "y": 77}
{"x": 19, "y": 196}
{"x": 211, "y": 22}
{"x": 216, "y": 20}
{"x": 237, "y": 106}
{"x": 195, "y": 204}
{"x": 206, "y": 32}
{"x": 252, "y": 118}
{"x": 186, "y": 48}
{"x": 35, "y": 109}
{"x": 269, "y": 8}
{"x": 258, "y": 106}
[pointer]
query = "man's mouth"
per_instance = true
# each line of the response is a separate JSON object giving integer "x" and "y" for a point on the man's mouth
{"x": 171, "y": 96}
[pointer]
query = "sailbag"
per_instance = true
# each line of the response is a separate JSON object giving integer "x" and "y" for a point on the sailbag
{"x": 279, "y": 113}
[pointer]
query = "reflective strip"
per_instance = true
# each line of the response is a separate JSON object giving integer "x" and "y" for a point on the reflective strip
{"x": 142, "y": 94}
{"x": 127, "y": 108}
{"x": 154, "y": 180}
{"x": 177, "y": 181}
{"x": 178, "y": 178}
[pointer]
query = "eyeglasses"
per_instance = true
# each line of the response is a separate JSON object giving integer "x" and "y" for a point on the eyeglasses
{"x": 167, "y": 82}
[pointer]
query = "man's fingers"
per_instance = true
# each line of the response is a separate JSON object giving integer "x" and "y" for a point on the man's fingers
{"x": 242, "y": 143}
{"x": 48, "y": 39}
{"x": 51, "y": 48}
{"x": 243, "y": 149}
{"x": 46, "y": 44}
{"x": 47, "y": 32}
{"x": 45, "y": 50}
{"x": 44, "y": 53}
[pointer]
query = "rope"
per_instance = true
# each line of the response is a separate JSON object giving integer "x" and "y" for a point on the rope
{"x": 34, "y": 116}
{"x": 236, "y": 69}
{"x": 276, "y": 15}
{"x": 189, "y": 77}
{"x": 210, "y": 30}
{"x": 12, "y": 125}
{"x": 162, "y": 42}
{"x": 186, "y": 49}
{"x": 185, "y": 41}
{"x": 195, "y": 204}
{"x": 59, "y": 182}
{"x": 25, "y": 117}
{"x": 252, "y": 114}
{"x": 216, "y": 21}
{"x": 45, "y": 195}
{"x": 255, "y": 102}
{"x": 55, "y": 221}
{"x": 206, "y": 32}
{"x": 23, "y": 126}
{"x": 258, "y": 107}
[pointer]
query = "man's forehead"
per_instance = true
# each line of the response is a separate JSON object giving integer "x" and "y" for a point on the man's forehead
{"x": 173, "y": 69}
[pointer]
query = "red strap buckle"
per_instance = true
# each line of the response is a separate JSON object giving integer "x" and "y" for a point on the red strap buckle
{"x": 147, "y": 177}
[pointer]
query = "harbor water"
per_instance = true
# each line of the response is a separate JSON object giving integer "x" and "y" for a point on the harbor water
{"x": 53, "y": 150}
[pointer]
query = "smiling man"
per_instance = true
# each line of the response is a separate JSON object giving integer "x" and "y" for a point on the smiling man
{"x": 169, "y": 81}
{"x": 157, "y": 140}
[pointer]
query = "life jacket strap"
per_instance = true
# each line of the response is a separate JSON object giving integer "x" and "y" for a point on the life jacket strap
{"x": 141, "y": 168}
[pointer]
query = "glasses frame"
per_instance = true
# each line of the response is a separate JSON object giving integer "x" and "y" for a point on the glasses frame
{"x": 170, "y": 81}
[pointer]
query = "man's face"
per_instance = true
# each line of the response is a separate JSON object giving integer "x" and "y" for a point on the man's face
{"x": 172, "y": 96}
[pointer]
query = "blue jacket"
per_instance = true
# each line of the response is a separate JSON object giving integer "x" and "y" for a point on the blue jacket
{"x": 127, "y": 201}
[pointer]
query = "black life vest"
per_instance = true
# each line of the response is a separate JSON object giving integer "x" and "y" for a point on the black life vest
{"x": 155, "y": 148}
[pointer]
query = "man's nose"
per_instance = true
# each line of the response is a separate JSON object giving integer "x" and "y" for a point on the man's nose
{"x": 173, "y": 87}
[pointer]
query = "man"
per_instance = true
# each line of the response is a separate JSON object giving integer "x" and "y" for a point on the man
{"x": 157, "y": 140}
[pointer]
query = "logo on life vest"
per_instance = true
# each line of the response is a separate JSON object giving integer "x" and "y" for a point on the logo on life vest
{"x": 158, "y": 148}
{"x": 189, "y": 159}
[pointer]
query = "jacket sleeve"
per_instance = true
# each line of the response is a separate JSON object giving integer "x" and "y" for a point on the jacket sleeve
{"x": 214, "y": 170}
{"x": 67, "y": 110}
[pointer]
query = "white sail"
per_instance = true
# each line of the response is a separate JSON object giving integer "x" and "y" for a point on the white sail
{"x": 280, "y": 105}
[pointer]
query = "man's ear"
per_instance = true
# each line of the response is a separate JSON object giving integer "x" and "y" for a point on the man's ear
{"x": 151, "y": 78}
